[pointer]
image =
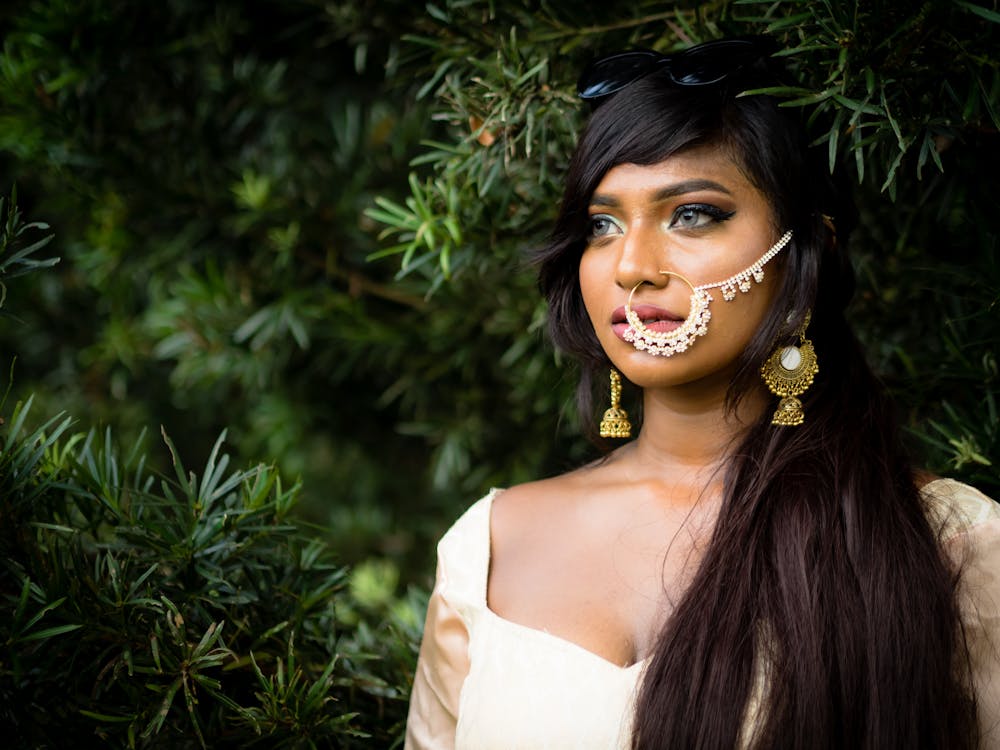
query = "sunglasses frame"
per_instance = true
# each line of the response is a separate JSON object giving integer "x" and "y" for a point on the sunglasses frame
{"x": 702, "y": 65}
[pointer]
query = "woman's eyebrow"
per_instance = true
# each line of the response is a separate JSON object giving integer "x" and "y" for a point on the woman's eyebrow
{"x": 665, "y": 193}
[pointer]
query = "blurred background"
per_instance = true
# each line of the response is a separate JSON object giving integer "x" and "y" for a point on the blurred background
{"x": 305, "y": 223}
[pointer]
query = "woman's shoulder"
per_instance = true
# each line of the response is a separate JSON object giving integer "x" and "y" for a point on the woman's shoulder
{"x": 501, "y": 506}
{"x": 955, "y": 507}
{"x": 544, "y": 504}
{"x": 463, "y": 555}
{"x": 466, "y": 551}
{"x": 538, "y": 494}
{"x": 472, "y": 525}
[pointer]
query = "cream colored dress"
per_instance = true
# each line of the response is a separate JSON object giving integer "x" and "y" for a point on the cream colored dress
{"x": 483, "y": 682}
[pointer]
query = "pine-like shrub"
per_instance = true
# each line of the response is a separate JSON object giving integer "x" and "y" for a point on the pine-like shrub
{"x": 142, "y": 611}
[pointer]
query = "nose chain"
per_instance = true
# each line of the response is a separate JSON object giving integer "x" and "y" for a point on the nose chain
{"x": 695, "y": 325}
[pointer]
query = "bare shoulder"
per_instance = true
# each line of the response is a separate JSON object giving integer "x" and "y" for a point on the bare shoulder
{"x": 536, "y": 529}
{"x": 530, "y": 512}
{"x": 522, "y": 506}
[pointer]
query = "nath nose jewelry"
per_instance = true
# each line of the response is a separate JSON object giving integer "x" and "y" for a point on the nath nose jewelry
{"x": 668, "y": 343}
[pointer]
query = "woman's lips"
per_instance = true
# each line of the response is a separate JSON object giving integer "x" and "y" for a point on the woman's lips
{"x": 653, "y": 317}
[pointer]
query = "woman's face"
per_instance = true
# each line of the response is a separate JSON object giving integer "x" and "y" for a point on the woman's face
{"x": 695, "y": 214}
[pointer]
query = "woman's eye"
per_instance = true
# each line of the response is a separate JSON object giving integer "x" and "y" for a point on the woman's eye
{"x": 602, "y": 225}
{"x": 695, "y": 216}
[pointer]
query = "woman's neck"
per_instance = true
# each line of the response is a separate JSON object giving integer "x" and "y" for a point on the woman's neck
{"x": 688, "y": 430}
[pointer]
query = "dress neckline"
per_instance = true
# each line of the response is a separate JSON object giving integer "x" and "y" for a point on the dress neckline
{"x": 566, "y": 644}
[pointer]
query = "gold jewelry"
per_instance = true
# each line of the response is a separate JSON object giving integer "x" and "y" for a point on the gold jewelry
{"x": 788, "y": 373}
{"x": 668, "y": 343}
{"x": 615, "y": 423}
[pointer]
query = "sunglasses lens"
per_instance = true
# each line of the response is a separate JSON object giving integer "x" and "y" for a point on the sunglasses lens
{"x": 711, "y": 62}
{"x": 610, "y": 74}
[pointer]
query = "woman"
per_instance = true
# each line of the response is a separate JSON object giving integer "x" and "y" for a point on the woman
{"x": 761, "y": 567}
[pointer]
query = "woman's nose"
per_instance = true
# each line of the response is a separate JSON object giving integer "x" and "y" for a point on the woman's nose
{"x": 641, "y": 257}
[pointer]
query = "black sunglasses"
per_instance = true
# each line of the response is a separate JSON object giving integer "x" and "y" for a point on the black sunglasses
{"x": 701, "y": 65}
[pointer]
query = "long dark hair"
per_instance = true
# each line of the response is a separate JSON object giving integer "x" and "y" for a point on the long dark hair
{"x": 823, "y": 598}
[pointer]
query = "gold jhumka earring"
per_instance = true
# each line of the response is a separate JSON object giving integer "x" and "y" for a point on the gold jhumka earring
{"x": 788, "y": 373}
{"x": 615, "y": 423}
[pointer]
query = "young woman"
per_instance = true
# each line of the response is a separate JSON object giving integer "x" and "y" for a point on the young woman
{"x": 760, "y": 567}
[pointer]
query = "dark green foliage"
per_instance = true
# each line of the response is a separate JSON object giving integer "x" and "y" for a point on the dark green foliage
{"x": 189, "y": 612}
{"x": 16, "y": 260}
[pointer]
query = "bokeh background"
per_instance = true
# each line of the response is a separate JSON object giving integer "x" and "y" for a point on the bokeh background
{"x": 305, "y": 225}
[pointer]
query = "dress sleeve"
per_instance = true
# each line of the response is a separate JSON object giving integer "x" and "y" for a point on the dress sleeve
{"x": 970, "y": 523}
{"x": 442, "y": 667}
{"x": 980, "y": 603}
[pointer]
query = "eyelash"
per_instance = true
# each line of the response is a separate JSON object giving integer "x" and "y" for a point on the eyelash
{"x": 716, "y": 214}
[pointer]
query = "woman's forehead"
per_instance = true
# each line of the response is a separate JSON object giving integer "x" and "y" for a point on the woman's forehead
{"x": 708, "y": 167}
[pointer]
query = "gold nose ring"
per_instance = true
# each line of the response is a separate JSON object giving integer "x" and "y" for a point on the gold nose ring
{"x": 668, "y": 343}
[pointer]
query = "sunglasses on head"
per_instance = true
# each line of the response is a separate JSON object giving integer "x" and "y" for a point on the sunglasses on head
{"x": 701, "y": 65}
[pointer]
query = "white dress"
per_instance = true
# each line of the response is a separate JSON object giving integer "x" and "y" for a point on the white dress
{"x": 484, "y": 682}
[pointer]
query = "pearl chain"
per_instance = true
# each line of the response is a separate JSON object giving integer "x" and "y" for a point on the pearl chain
{"x": 741, "y": 280}
{"x": 668, "y": 343}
